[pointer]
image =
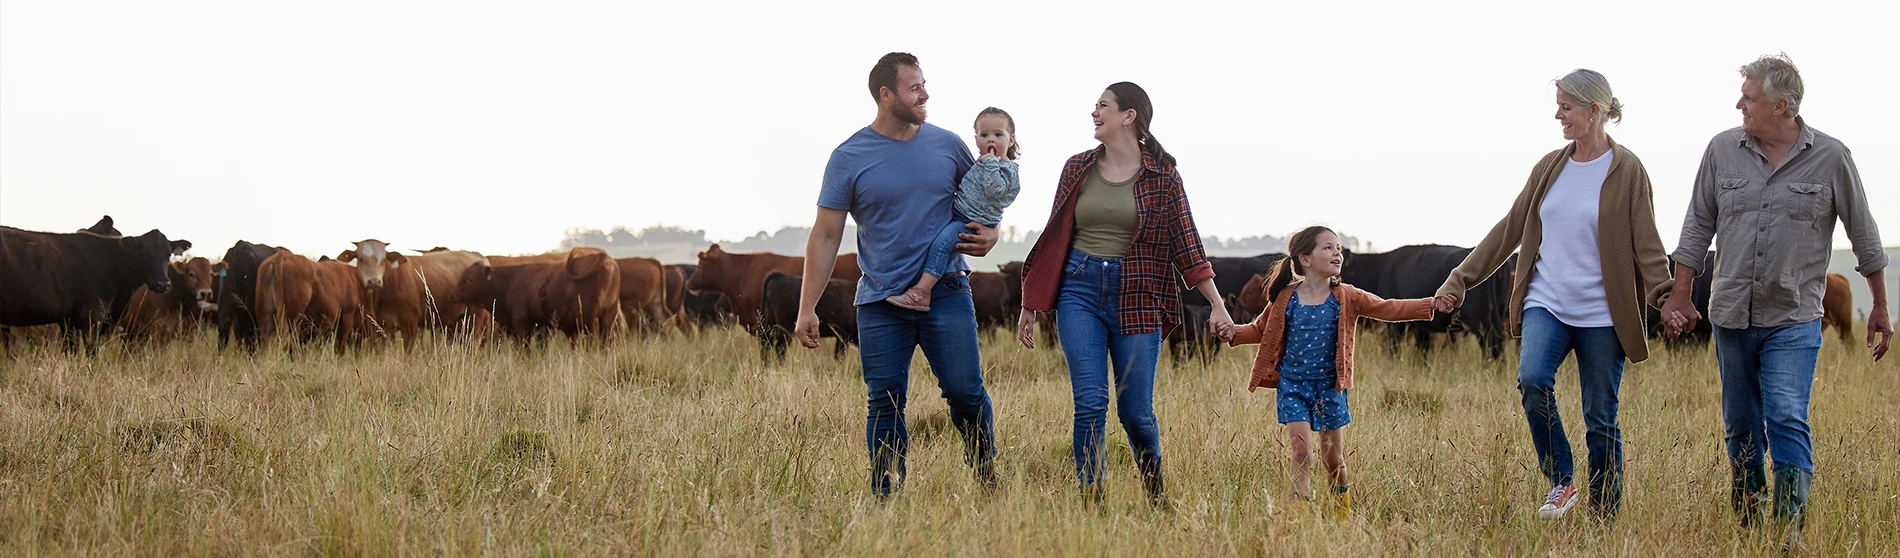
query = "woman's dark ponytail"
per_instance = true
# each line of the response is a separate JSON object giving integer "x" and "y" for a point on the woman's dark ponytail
{"x": 1129, "y": 96}
{"x": 1153, "y": 148}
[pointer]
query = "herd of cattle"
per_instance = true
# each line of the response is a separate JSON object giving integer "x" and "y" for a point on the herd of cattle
{"x": 95, "y": 283}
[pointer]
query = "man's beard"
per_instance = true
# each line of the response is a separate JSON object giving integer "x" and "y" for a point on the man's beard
{"x": 911, "y": 114}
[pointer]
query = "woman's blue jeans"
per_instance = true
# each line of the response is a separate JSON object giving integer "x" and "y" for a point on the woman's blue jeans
{"x": 1089, "y": 326}
{"x": 1547, "y": 341}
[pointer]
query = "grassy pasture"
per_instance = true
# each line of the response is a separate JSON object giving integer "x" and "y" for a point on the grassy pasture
{"x": 691, "y": 446}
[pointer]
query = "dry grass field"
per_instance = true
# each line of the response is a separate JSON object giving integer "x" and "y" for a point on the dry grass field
{"x": 690, "y": 446}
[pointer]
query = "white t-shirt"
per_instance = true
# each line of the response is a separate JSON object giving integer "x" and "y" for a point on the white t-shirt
{"x": 1568, "y": 280}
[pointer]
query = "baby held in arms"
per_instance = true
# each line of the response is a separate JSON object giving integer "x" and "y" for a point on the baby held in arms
{"x": 989, "y": 187}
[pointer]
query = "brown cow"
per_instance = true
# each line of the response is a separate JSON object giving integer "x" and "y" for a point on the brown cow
{"x": 163, "y": 316}
{"x": 643, "y": 294}
{"x": 550, "y": 257}
{"x": 741, "y": 277}
{"x": 1253, "y": 295}
{"x": 441, "y": 268}
{"x": 1013, "y": 299}
{"x": 391, "y": 289}
{"x": 577, "y": 295}
{"x": 314, "y": 298}
{"x": 988, "y": 291}
{"x": 1837, "y": 306}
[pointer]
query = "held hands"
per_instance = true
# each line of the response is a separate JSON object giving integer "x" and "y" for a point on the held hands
{"x": 1879, "y": 326}
{"x": 807, "y": 329}
{"x": 978, "y": 242}
{"x": 1679, "y": 316}
{"x": 1221, "y": 324}
{"x": 1445, "y": 303}
{"x": 1026, "y": 328}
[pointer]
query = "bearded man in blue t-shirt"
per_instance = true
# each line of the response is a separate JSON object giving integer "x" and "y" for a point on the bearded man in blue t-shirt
{"x": 897, "y": 179}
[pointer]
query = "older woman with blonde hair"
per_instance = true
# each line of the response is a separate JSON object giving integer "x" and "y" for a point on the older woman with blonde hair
{"x": 1584, "y": 227}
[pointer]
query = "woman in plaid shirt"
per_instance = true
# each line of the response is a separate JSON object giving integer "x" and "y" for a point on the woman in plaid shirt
{"x": 1119, "y": 237}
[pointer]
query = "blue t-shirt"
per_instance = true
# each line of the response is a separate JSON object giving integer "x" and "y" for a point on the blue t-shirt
{"x": 1312, "y": 340}
{"x": 900, "y": 193}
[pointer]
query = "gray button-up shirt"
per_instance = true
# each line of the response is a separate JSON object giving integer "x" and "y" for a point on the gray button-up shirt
{"x": 1774, "y": 227}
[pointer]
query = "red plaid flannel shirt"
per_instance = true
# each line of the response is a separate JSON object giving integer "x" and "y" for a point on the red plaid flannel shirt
{"x": 1166, "y": 246}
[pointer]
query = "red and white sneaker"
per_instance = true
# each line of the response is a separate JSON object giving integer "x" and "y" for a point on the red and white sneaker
{"x": 1559, "y": 502}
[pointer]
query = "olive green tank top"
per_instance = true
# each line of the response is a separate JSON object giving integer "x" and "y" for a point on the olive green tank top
{"x": 1105, "y": 218}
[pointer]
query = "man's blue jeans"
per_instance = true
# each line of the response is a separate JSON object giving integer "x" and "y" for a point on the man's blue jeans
{"x": 1547, "y": 341}
{"x": 887, "y": 337}
{"x": 1090, "y": 329}
{"x": 1767, "y": 376}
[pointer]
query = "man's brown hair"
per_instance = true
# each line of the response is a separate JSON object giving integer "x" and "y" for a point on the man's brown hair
{"x": 884, "y": 74}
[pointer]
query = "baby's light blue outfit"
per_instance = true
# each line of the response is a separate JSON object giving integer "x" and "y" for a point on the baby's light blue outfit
{"x": 986, "y": 189}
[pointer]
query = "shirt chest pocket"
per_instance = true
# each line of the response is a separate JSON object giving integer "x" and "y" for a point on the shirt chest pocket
{"x": 1151, "y": 217}
{"x": 1731, "y": 194}
{"x": 1810, "y": 201}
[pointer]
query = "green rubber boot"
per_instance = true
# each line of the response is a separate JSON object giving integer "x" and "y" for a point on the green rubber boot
{"x": 1748, "y": 494}
{"x": 1791, "y": 504}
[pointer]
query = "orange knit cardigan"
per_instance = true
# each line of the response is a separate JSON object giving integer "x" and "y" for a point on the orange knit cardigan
{"x": 1269, "y": 329}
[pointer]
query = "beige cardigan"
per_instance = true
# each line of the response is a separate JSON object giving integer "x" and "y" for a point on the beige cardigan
{"x": 1635, "y": 267}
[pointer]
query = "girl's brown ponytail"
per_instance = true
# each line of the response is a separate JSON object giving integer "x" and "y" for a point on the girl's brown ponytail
{"x": 1284, "y": 272}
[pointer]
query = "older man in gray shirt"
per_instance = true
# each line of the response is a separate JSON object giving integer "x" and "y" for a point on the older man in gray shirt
{"x": 1768, "y": 194}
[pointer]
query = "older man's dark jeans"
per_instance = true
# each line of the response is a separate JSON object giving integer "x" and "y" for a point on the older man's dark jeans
{"x": 1767, "y": 377}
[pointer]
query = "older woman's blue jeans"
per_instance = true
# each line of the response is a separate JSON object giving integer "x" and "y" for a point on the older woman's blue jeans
{"x": 1547, "y": 341}
{"x": 1089, "y": 326}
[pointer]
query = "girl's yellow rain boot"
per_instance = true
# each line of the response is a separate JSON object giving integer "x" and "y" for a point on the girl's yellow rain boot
{"x": 1302, "y": 507}
{"x": 1342, "y": 508}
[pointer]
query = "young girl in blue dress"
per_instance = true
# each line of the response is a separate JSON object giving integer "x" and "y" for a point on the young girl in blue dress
{"x": 1306, "y": 337}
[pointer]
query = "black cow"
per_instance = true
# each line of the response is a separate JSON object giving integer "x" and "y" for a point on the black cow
{"x": 1192, "y": 337}
{"x": 704, "y": 308}
{"x": 1700, "y": 334}
{"x": 81, "y": 281}
{"x": 237, "y": 292}
{"x": 1230, "y": 274}
{"x": 1416, "y": 272}
{"x": 103, "y": 227}
{"x": 837, "y": 314}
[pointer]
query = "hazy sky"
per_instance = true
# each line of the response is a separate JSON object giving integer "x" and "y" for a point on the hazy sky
{"x": 495, "y": 126}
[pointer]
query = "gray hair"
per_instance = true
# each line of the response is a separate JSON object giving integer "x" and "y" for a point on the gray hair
{"x": 1779, "y": 79}
{"x": 1590, "y": 87}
